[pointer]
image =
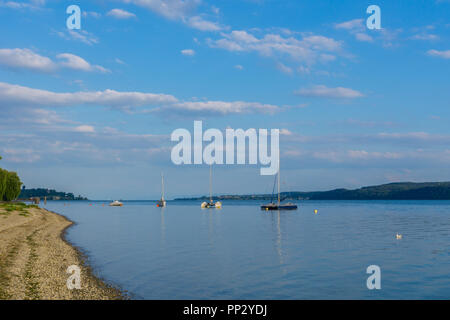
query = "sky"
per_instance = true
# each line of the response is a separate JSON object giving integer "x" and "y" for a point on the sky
{"x": 91, "y": 111}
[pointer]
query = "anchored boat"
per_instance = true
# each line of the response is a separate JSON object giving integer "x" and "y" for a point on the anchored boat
{"x": 161, "y": 203}
{"x": 278, "y": 205}
{"x": 211, "y": 204}
{"x": 116, "y": 203}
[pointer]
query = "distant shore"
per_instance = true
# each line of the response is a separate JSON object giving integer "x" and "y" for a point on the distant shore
{"x": 34, "y": 257}
{"x": 390, "y": 191}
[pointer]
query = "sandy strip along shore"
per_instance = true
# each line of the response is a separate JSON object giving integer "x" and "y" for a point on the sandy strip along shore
{"x": 34, "y": 258}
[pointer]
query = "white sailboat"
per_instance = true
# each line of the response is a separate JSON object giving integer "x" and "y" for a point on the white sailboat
{"x": 211, "y": 204}
{"x": 116, "y": 203}
{"x": 162, "y": 203}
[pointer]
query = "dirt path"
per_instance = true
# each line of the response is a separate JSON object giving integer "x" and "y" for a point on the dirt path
{"x": 34, "y": 259}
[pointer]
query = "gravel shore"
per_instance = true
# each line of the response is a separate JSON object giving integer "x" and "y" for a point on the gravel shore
{"x": 34, "y": 258}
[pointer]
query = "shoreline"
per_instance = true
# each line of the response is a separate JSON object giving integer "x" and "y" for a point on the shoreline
{"x": 35, "y": 254}
{"x": 116, "y": 292}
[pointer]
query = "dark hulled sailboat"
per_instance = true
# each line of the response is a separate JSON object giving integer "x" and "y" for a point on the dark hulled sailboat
{"x": 278, "y": 205}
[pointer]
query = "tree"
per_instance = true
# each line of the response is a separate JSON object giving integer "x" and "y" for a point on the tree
{"x": 13, "y": 184}
{"x": 3, "y": 176}
{"x": 9, "y": 185}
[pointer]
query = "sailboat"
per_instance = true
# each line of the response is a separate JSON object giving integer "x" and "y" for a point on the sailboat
{"x": 161, "y": 203}
{"x": 278, "y": 205}
{"x": 116, "y": 203}
{"x": 211, "y": 204}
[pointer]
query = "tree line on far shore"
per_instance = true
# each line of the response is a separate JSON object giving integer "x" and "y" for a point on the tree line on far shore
{"x": 9, "y": 185}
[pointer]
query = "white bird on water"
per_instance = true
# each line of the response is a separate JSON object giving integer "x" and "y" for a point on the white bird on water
{"x": 398, "y": 236}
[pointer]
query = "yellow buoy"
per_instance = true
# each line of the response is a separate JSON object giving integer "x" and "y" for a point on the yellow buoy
{"x": 315, "y": 211}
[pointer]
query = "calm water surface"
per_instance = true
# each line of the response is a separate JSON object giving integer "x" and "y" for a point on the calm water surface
{"x": 241, "y": 252}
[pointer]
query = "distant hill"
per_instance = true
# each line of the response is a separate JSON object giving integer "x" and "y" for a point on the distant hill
{"x": 391, "y": 191}
{"x": 49, "y": 193}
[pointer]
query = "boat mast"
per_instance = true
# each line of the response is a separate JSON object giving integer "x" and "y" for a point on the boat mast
{"x": 273, "y": 189}
{"x": 210, "y": 183}
{"x": 162, "y": 186}
{"x": 278, "y": 184}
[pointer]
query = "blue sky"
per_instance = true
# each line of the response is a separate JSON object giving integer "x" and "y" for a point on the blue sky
{"x": 91, "y": 111}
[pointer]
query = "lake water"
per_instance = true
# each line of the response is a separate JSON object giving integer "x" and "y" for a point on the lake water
{"x": 241, "y": 252}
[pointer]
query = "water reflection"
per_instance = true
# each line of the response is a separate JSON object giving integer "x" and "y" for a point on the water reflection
{"x": 163, "y": 226}
{"x": 278, "y": 239}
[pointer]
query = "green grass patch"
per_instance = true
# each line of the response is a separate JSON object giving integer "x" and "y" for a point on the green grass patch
{"x": 31, "y": 285}
{"x": 6, "y": 208}
{"x": 5, "y": 263}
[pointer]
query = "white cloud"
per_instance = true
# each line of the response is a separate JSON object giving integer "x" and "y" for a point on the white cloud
{"x": 77, "y": 63}
{"x": 199, "y": 23}
{"x": 321, "y": 43}
{"x": 188, "y": 52}
{"x": 85, "y": 129}
{"x": 414, "y": 137}
{"x": 25, "y": 59}
{"x": 355, "y": 27}
{"x": 92, "y": 14}
{"x": 239, "y": 67}
{"x": 120, "y": 14}
{"x": 283, "y": 68}
{"x": 308, "y": 49}
{"x": 20, "y": 155}
{"x": 82, "y": 144}
{"x": 171, "y": 9}
{"x": 425, "y": 37}
{"x": 365, "y": 155}
{"x": 324, "y": 57}
{"x": 351, "y": 25}
{"x": 81, "y": 35}
{"x": 32, "y": 4}
{"x": 325, "y": 92}
{"x": 303, "y": 70}
{"x": 389, "y": 37}
{"x": 285, "y": 132}
{"x": 30, "y": 117}
{"x": 441, "y": 54}
{"x": 25, "y": 96}
{"x": 220, "y": 107}
{"x": 15, "y": 96}
{"x": 363, "y": 37}
{"x": 368, "y": 124}
{"x": 179, "y": 10}
{"x": 215, "y": 9}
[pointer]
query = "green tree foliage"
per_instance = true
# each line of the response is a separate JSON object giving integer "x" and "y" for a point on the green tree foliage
{"x": 3, "y": 176}
{"x": 49, "y": 193}
{"x": 13, "y": 184}
{"x": 9, "y": 185}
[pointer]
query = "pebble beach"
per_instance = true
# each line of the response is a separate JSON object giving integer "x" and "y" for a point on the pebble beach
{"x": 34, "y": 257}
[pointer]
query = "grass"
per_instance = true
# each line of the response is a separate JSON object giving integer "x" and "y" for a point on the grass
{"x": 7, "y": 207}
{"x": 5, "y": 262}
{"x": 32, "y": 286}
